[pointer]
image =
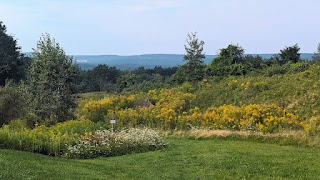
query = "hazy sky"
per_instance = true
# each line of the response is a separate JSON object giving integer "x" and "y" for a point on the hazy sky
{"x": 127, "y": 27}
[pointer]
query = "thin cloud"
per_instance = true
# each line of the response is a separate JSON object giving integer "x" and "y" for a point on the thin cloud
{"x": 144, "y": 26}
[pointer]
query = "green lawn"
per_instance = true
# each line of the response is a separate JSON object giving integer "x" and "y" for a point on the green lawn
{"x": 182, "y": 159}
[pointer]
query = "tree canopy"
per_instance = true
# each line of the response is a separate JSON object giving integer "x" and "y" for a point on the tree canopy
{"x": 230, "y": 61}
{"x": 50, "y": 81}
{"x": 290, "y": 53}
{"x": 11, "y": 59}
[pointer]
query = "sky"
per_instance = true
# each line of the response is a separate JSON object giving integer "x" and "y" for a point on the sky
{"x": 133, "y": 27}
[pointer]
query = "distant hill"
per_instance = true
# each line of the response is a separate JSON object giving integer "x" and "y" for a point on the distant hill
{"x": 146, "y": 60}
{"x": 135, "y": 61}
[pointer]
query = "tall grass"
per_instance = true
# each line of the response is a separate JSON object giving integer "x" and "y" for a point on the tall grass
{"x": 43, "y": 139}
{"x": 77, "y": 139}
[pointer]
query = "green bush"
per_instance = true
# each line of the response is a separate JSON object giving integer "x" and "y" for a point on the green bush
{"x": 299, "y": 67}
{"x": 12, "y": 103}
{"x": 276, "y": 69}
{"x": 18, "y": 124}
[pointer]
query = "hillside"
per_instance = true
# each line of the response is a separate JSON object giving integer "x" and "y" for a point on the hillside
{"x": 146, "y": 60}
{"x": 131, "y": 62}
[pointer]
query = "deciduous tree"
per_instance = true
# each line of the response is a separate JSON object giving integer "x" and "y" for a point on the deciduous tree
{"x": 290, "y": 53}
{"x": 230, "y": 61}
{"x": 50, "y": 81}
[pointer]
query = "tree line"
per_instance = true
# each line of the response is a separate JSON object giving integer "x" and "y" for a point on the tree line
{"x": 231, "y": 61}
{"x": 44, "y": 87}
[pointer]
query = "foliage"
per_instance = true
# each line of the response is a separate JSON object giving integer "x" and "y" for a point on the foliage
{"x": 100, "y": 78}
{"x": 82, "y": 139}
{"x": 158, "y": 110}
{"x": 12, "y": 63}
{"x": 110, "y": 79}
{"x": 312, "y": 128}
{"x": 298, "y": 91}
{"x": 43, "y": 139}
{"x": 194, "y": 69}
{"x": 290, "y": 54}
{"x": 50, "y": 81}
{"x": 172, "y": 109}
{"x": 101, "y": 109}
{"x": 141, "y": 80}
{"x": 261, "y": 86}
{"x": 12, "y": 103}
{"x": 233, "y": 54}
{"x": 256, "y": 103}
{"x": 230, "y": 61}
{"x": 106, "y": 143}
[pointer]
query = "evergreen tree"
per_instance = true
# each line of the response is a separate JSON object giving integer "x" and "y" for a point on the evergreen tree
{"x": 10, "y": 57}
{"x": 50, "y": 82}
{"x": 194, "y": 69}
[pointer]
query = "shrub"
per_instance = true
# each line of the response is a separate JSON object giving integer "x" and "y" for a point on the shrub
{"x": 107, "y": 143}
{"x": 18, "y": 124}
{"x": 81, "y": 139}
{"x": 172, "y": 109}
{"x": 276, "y": 69}
{"x": 43, "y": 139}
{"x": 12, "y": 103}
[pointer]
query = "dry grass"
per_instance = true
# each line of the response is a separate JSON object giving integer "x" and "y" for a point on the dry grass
{"x": 202, "y": 133}
{"x": 285, "y": 137}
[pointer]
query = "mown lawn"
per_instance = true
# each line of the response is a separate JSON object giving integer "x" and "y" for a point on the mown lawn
{"x": 182, "y": 159}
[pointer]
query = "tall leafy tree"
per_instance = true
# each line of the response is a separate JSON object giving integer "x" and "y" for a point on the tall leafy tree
{"x": 230, "y": 61}
{"x": 50, "y": 81}
{"x": 11, "y": 60}
{"x": 194, "y": 68}
{"x": 290, "y": 54}
{"x": 233, "y": 54}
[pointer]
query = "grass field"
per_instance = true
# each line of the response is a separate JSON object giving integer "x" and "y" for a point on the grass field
{"x": 182, "y": 159}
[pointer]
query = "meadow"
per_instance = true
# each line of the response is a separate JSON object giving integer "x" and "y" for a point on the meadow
{"x": 256, "y": 103}
{"x": 235, "y": 127}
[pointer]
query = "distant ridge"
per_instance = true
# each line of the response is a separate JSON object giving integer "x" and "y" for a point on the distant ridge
{"x": 132, "y": 62}
{"x": 148, "y": 61}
